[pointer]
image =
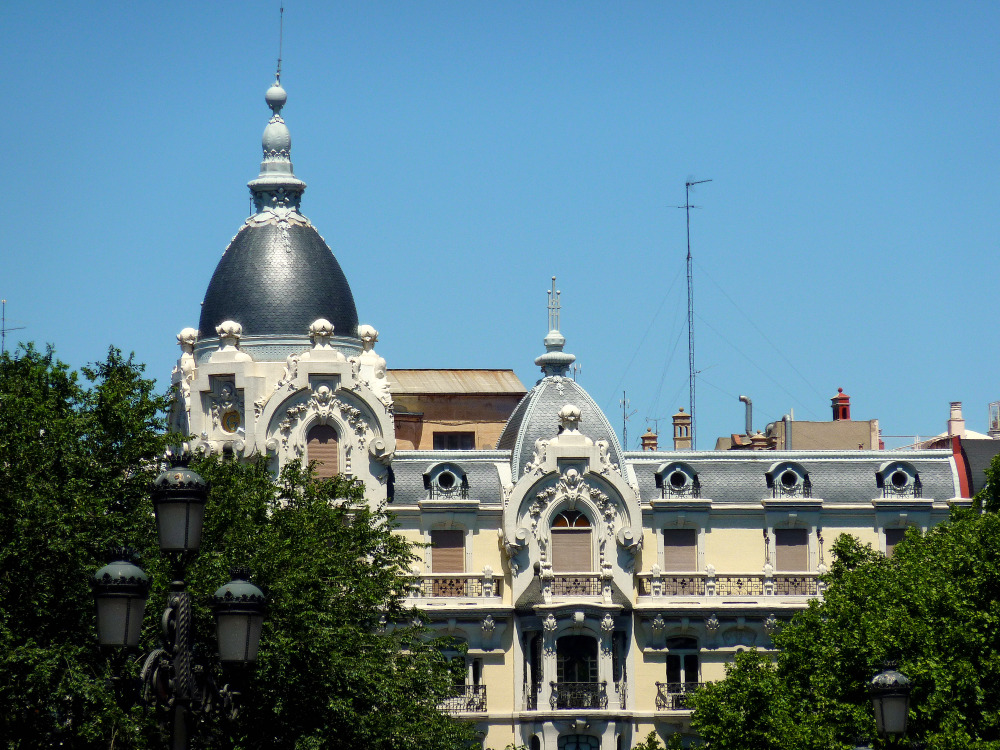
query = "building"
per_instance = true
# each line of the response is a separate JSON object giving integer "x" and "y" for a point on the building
{"x": 593, "y": 587}
{"x": 841, "y": 433}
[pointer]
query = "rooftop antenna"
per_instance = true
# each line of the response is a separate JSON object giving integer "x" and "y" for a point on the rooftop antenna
{"x": 281, "y": 39}
{"x": 690, "y": 280}
{"x": 626, "y": 416}
{"x": 656, "y": 423}
{"x": 4, "y": 328}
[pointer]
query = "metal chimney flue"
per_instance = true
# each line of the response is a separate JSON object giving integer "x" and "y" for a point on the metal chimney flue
{"x": 749, "y": 404}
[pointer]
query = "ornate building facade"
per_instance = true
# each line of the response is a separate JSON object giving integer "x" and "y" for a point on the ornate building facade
{"x": 594, "y": 588}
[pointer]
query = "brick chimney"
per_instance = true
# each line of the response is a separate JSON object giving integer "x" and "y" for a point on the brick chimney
{"x": 649, "y": 440}
{"x": 682, "y": 430}
{"x": 841, "y": 406}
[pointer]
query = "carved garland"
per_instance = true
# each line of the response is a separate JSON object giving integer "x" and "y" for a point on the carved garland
{"x": 322, "y": 403}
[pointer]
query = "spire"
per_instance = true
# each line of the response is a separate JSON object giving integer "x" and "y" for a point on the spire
{"x": 276, "y": 186}
{"x": 555, "y": 361}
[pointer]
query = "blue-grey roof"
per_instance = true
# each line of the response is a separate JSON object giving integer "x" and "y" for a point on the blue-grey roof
{"x": 835, "y": 476}
{"x": 277, "y": 284}
{"x": 537, "y": 417}
{"x": 480, "y": 468}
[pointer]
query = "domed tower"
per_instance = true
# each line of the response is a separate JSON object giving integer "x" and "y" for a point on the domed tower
{"x": 278, "y": 365}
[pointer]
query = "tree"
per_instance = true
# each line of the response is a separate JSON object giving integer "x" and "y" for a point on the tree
{"x": 342, "y": 662}
{"x": 933, "y": 608}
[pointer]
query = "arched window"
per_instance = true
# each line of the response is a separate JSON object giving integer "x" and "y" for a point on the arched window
{"x": 321, "y": 447}
{"x": 571, "y": 547}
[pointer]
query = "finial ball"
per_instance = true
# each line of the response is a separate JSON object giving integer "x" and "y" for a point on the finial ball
{"x": 276, "y": 97}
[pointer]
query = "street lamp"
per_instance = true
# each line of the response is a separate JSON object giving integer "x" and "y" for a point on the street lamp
{"x": 170, "y": 678}
{"x": 890, "y": 694}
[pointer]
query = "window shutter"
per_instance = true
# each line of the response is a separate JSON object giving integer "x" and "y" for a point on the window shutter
{"x": 791, "y": 549}
{"x": 680, "y": 547}
{"x": 321, "y": 446}
{"x": 892, "y": 538}
{"x": 571, "y": 552}
{"x": 448, "y": 551}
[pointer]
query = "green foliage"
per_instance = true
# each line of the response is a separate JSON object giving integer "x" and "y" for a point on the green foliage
{"x": 988, "y": 498}
{"x": 650, "y": 743}
{"x": 933, "y": 608}
{"x": 75, "y": 459}
{"x": 342, "y": 663}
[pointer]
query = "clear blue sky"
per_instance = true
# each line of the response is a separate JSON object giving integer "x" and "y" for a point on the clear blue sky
{"x": 459, "y": 154}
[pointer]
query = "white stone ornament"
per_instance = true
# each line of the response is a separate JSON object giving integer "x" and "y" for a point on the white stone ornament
{"x": 370, "y": 367}
{"x": 230, "y": 332}
{"x": 320, "y": 332}
{"x": 569, "y": 419}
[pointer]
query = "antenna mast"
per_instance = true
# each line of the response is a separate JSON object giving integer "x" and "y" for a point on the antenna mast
{"x": 4, "y": 328}
{"x": 690, "y": 281}
{"x": 626, "y": 416}
{"x": 281, "y": 39}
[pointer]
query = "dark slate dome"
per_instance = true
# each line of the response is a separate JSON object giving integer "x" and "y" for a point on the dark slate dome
{"x": 273, "y": 283}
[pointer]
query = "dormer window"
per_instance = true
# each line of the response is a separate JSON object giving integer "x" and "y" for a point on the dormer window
{"x": 677, "y": 479}
{"x": 788, "y": 479}
{"x": 446, "y": 480}
{"x": 898, "y": 479}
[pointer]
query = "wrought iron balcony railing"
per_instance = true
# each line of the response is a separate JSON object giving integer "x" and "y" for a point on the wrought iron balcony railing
{"x": 585, "y": 584}
{"x": 673, "y": 696}
{"x": 743, "y": 584}
{"x": 570, "y": 695}
{"x": 465, "y": 699}
{"x": 455, "y": 584}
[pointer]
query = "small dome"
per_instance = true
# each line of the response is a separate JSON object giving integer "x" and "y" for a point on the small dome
{"x": 537, "y": 417}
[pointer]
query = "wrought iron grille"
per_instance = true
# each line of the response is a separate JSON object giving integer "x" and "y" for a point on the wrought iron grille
{"x": 465, "y": 699}
{"x": 466, "y": 585}
{"x": 795, "y": 586}
{"x": 911, "y": 489}
{"x": 438, "y": 493}
{"x": 673, "y": 696}
{"x": 668, "y": 491}
{"x": 673, "y": 585}
{"x": 739, "y": 586}
{"x": 585, "y": 585}
{"x": 802, "y": 489}
{"x": 570, "y": 695}
{"x": 531, "y": 697}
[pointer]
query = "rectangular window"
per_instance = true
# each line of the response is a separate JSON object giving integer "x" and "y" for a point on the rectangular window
{"x": 892, "y": 538}
{"x": 454, "y": 441}
{"x": 680, "y": 550}
{"x": 448, "y": 551}
{"x": 791, "y": 550}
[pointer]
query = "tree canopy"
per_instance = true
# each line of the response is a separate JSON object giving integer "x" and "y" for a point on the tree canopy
{"x": 932, "y": 608}
{"x": 342, "y": 662}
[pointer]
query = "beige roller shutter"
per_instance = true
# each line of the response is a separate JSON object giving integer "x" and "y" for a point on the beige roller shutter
{"x": 791, "y": 549}
{"x": 680, "y": 547}
{"x": 571, "y": 551}
{"x": 448, "y": 551}
{"x": 322, "y": 447}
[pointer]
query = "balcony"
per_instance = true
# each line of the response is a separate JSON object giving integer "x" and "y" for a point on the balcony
{"x": 673, "y": 696}
{"x": 579, "y": 695}
{"x": 464, "y": 699}
{"x": 455, "y": 584}
{"x": 587, "y": 584}
{"x": 709, "y": 584}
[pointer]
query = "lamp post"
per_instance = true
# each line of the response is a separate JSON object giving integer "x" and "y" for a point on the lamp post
{"x": 170, "y": 679}
{"x": 890, "y": 696}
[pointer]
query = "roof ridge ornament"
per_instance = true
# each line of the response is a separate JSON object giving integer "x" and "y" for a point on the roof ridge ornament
{"x": 555, "y": 362}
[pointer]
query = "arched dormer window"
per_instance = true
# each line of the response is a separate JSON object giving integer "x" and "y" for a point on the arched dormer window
{"x": 788, "y": 479}
{"x": 898, "y": 479}
{"x": 322, "y": 446}
{"x": 571, "y": 549}
{"x": 446, "y": 480}
{"x": 677, "y": 479}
